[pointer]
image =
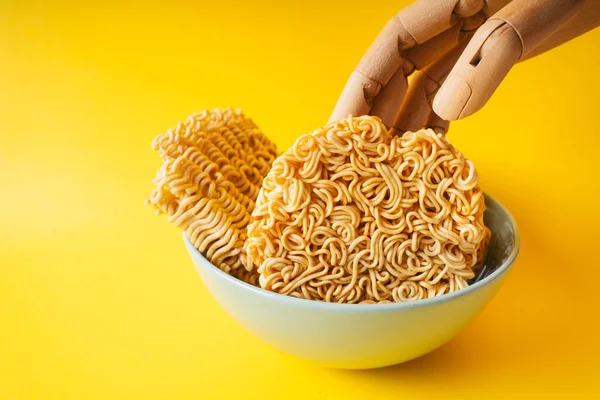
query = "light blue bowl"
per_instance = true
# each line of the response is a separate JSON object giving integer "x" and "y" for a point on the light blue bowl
{"x": 360, "y": 336}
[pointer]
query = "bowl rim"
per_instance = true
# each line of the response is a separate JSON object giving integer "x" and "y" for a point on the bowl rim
{"x": 300, "y": 302}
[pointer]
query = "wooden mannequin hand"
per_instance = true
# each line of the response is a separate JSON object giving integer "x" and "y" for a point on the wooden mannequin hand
{"x": 458, "y": 52}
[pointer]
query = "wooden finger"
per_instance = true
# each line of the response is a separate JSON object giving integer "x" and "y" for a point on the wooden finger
{"x": 387, "y": 103}
{"x": 426, "y": 53}
{"x": 416, "y": 107}
{"x": 496, "y": 46}
{"x": 437, "y": 123}
{"x": 425, "y": 19}
{"x": 356, "y": 98}
{"x": 536, "y": 20}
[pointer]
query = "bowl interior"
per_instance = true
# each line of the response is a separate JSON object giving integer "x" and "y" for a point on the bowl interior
{"x": 504, "y": 242}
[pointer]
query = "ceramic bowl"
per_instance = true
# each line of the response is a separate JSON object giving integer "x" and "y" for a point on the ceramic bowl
{"x": 360, "y": 336}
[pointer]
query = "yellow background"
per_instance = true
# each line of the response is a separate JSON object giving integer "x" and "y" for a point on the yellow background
{"x": 98, "y": 299}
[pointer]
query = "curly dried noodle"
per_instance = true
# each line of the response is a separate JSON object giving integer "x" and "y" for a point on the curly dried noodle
{"x": 349, "y": 214}
{"x": 353, "y": 214}
{"x": 213, "y": 165}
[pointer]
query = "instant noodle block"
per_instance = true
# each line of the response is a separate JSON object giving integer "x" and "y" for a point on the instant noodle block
{"x": 353, "y": 214}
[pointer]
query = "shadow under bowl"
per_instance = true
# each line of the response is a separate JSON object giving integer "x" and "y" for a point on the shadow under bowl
{"x": 361, "y": 336}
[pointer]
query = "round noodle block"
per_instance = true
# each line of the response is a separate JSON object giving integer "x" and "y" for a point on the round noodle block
{"x": 351, "y": 213}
